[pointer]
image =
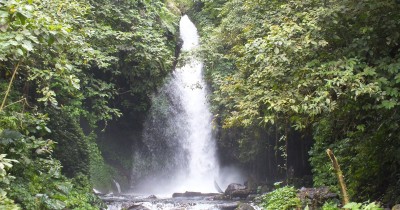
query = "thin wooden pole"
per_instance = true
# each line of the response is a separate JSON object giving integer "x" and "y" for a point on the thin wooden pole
{"x": 340, "y": 177}
{"x": 9, "y": 87}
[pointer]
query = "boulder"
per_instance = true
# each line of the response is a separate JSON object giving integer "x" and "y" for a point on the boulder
{"x": 240, "y": 193}
{"x": 264, "y": 189}
{"x": 228, "y": 206}
{"x": 396, "y": 207}
{"x": 235, "y": 190}
{"x": 315, "y": 197}
{"x": 252, "y": 197}
{"x": 220, "y": 197}
{"x": 193, "y": 194}
{"x": 135, "y": 206}
{"x": 244, "y": 206}
{"x": 152, "y": 197}
{"x": 232, "y": 187}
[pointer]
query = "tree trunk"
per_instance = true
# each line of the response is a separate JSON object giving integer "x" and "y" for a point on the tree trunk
{"x": 339, "y": 174}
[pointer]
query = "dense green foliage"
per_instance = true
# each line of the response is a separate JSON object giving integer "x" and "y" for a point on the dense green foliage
{"x": 352, "y": 206}
{"x": 287, "y": 198}
{"x": 35, "y": 181}
{"x": 327, "y": 69}
{"x": 363, "y": 206}
{"x": 284, "y": 198}
{"x": 65, "y": 66}
{"x": 282, "y": 73}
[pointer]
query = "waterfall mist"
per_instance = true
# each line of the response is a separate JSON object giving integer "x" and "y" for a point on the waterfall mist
{"x": 179, "y": 151}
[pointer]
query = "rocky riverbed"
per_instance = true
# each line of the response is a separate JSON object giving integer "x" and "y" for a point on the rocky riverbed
{"x": 193, "y": 201}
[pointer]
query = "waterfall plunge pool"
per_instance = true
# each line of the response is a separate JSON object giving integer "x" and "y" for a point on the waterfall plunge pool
{"x": 151, "y": 202}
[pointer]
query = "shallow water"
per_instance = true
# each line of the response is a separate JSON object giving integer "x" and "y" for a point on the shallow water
{"x": 165, "y": 203}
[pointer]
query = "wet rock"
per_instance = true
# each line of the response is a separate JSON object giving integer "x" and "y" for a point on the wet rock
{"x": 135, "y": 206}
{"x": 193, "y": 194}
{"x": 235, "y": 190}
{"x": 152, "y": 197}
{"x": 186, "y": 194}
{"x": 181, "y": 206}
{"x": 264, "y": 189}
{"x": 228, "y": 206}
{"x": 251, "y": 197}
{"x": 396, "y": 207}
{"x": 240, "y": 193}
{"x": 234, "y": 186}
{"x": 244, "y": 206}
{"x": 220, "y": 197}
{"x": 315, "y": 197}
{"x": 258, "y": 199}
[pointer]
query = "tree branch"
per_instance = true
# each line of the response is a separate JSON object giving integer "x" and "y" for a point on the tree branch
{"x": 339, "y": 174}
{"x": 9, "y": 87}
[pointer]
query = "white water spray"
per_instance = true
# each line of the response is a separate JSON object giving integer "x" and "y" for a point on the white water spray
{"x": 178, "y": 134}
{"x": 203, "y": 164}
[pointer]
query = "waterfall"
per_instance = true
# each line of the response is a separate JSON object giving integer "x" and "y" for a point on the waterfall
{"x": 178, "y": 152}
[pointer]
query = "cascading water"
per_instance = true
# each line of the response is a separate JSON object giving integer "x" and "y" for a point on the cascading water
{"x": 179, "y": 151}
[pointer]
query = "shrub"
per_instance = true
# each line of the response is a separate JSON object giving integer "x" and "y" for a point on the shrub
{"x": 283, "y": 199}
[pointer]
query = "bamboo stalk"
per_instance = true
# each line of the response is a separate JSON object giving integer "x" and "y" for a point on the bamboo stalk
{"x": 9, "y": 87}
{"x": 339, "y": 174}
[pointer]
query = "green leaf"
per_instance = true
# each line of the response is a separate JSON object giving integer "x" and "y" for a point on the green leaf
{"x": 353, "y": 206}
{"x": 3, "y": 14}
{"x": 21, "y": 18}
{"x": 20, "y": 52}
{"x": 27, "y": 45}
{"x": 19, "y": 37}
{"x": 369, "y": 71}
{"x": 388, "y": 104}
{"x": 276, "y": 50}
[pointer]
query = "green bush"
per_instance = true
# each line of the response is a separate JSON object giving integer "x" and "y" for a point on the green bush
{"x": 352, "y": 206}
{"x": 330, "y": 206}
{"x": 363, "y": 206}
{"x": 36, "y": 181}
{"x": 284, "y": 198}
{"x": 5, "y": 178}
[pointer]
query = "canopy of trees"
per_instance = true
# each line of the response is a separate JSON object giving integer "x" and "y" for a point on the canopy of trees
{"x": 289, "y": 79}
{"x": 63, "y": 63}
{"x": 325, "y": 69}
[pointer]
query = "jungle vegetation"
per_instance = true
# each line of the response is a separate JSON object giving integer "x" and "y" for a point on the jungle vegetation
{"x": 327, "y": 72}
{"x": 67, "y": 69}
{"x": 288, "y": 80}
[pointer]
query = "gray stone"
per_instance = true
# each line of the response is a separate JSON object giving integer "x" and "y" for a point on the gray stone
{"x": 244, "y": 206}
{"x": 396, "y": 207}
{"x": 235, "y": 190}
{"x": 315, "y": 197}
{"x": 232, "y": 187}
{"x": 240, "y": 193}
{"x": 137, "y": 207}
{"x": 228, "y": 206}
{"x": 220, "y": 197}
{"x": 189, "y": 194}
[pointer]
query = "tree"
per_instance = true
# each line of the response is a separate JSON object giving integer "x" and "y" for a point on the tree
{"x": 330, "y": 67}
